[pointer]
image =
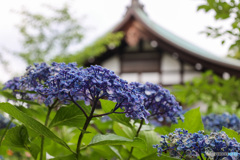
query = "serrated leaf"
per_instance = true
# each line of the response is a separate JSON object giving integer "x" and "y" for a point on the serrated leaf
{"x": 17, "y": 137}
{"x": 231, "y": 133}
{"x": 192, "y": 121}
{"x": 69, "y": 116}
{"x": 108, "y": 106}
{"x": 31, "y": 123}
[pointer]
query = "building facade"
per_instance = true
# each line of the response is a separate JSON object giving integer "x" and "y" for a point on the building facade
{"x": 150, "y": 53}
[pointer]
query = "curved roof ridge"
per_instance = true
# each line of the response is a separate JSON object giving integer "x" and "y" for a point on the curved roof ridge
{"x": 182, "y": 43}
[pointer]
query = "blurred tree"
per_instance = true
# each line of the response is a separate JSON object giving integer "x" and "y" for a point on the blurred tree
{"x": 44, "y": 37}
{"x": 51, "y": 38}
{"x": 225, "y": 10}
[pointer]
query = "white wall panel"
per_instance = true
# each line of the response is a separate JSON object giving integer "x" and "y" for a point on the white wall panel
{"x": 113, "y": 64}
{"x": 130, "y": 77}
{"x": 169, "y": 63}
{"x": 153, "y": 77}
{"x": 171, "y": 78}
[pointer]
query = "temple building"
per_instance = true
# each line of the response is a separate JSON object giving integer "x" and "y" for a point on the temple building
{"x": 148, "y": 52}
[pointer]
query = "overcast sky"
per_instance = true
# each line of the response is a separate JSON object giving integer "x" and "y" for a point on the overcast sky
{"x": 99, "y": 16}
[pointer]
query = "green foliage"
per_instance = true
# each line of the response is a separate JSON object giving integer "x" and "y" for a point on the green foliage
{"x": 43, "y": 37}
{"x": 192, "y": 121}
{"x": 10, "y": 96}
{"x": 220, "y": 95}
{"x": 231, "y": 133}
{"x": 31, "y": 123}
{"x": 148, "y": 136}
{"x": 108, "y": 106}
{"x": 225, "y": 10}
{"x": 112, "y": 139}
{"x": 95, "y": 144}
{"x": 110, "y": 40}
{"x": 17, "y": 137}
{"x": 106, "y": 139}
{"x": 70, "y": 116}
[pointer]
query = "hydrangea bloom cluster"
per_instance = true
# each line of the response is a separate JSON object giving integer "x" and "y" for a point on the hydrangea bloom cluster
{"x": 215, "y": 122}
{"x": 4, "y": 122}
{"x": 23, "y": 86}
{"x": 185, "y": 145}
{"x": 72, "y": 83}
{"x": 67, "y": 82}
{"x": 159, "y": 101}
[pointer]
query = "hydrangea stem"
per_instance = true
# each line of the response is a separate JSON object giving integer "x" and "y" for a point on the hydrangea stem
{"x": 85, "y": 114}
{"x": 46, "y": 124}
{"x": 201, "y": 156}
{"x": 86, "y": 124}
{"x": 138, "y": 131}
{"x": 6, "y": 129}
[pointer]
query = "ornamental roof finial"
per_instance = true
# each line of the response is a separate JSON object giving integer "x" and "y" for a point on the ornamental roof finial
{"x": 135, "y": 3}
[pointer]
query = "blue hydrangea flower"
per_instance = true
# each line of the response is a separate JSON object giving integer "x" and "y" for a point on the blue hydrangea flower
{"x": 13, "y": 84}
{"x": 35, "y": 75}
{"x": 183, "y": 144}
{"x": 215, "y": 122}
{"x": 24, "y": 87}
{"x": 71, "y": 83}
{"x": 159, "y": 101}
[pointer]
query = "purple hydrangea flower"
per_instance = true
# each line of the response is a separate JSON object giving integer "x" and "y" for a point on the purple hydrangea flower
{"x": 215, "y": 122}
{"x": 186, "y": 145}
{"x": 159, "y": 101}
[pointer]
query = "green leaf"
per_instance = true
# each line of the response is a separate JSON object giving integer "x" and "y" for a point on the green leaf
{"x": 10, "y": 96}
{"x": 108, "y": 152}
{"x": 69, "y": 116}
{"x": 17, "y": 137}
{"x": 108, "y": 106}
{"x": 34, "y": 150}
{"x": 31, "y": 123}
{"x": 112, "y": 139}
{"x": 7, "y": 95}
{"x": 231, "y": 133}
{"x": 150, "y": 138}
{"x": 116, "y": 151}
{"x": 192, "y": 121}
{"x": 123, "y": 130}
{"x": 223, "y": 41}
{"x": 164, "y": 130}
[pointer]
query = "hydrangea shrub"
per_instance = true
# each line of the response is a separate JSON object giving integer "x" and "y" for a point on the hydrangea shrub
{"x": 215, "y": 122}
{"x": 64, "y": 93}
{"x": 185, "y": 145}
